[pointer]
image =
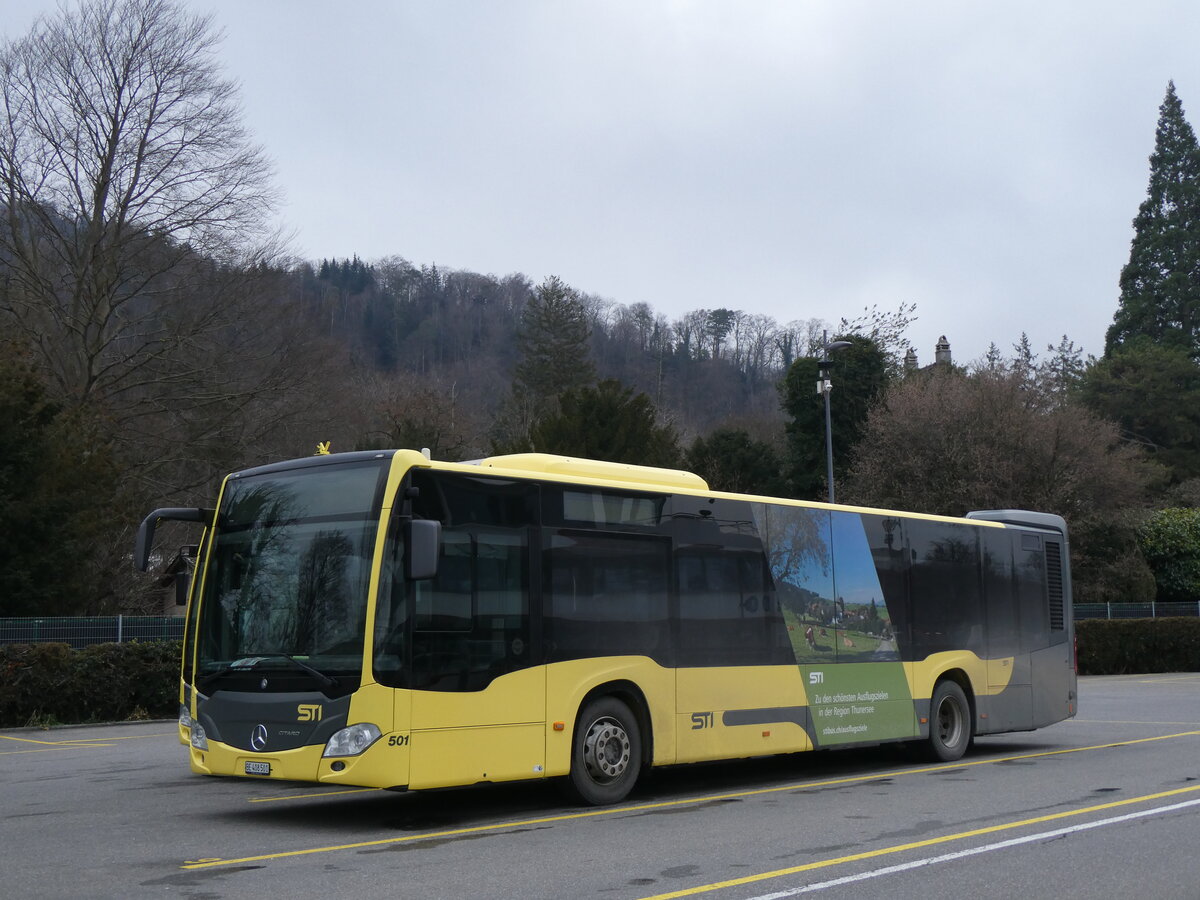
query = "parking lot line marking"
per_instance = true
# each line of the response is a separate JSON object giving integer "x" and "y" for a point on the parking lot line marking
{"x": 7, "y": 737}
{"x": 55, "y": 747}
{"x": 73, "y": 743}
{"x": 975, "y": 851}
{"x": 915, "y": 845}
{"x": 212, "y": 862}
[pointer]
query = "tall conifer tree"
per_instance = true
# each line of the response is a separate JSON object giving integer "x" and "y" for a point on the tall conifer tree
{"x": 1160, "y": 285}
{"x": 553, "y": 343}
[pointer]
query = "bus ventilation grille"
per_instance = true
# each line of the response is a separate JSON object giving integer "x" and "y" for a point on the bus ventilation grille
{"x": 1054, "y": 583}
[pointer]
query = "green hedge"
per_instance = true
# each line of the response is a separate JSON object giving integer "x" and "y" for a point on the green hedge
{"x": 1128, "y": 646}
{"x": 46, "y": 684}
{"x": 49, "y": 684}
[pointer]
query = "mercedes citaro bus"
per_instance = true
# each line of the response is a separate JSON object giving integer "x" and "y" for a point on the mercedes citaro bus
{"x": 382, "y": 619}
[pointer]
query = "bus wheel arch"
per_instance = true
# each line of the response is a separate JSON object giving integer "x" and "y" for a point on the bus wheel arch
{"x": 951, "y": 717}
{"x": 610, "y": 745}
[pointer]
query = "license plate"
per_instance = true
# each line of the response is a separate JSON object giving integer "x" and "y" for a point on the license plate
{"x": 258, "y": 768}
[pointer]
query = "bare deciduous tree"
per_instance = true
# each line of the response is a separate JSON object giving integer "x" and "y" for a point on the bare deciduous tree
{"x": 123, "y": 161}
{"x": 136, "y": 258}
{"x": 945, "y": 442}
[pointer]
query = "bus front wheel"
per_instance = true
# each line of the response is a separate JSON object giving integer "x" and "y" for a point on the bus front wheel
{"x": 607, "y": 753}
{"x": 949, "y": 722}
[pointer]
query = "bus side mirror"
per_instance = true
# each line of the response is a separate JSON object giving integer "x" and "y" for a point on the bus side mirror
{"x": 422, "y": 541}
{"x": 145, "y": 533}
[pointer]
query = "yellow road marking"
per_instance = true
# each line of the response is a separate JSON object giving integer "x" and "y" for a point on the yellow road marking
{"x": 213, "y": 862}
{"x": 6, "y": 737}
{"x": 132, "y": 737}
{"x": 310, "y": 796}
{"x": 915, "y": 845}
{"x": 82, "y": 741}
{"x": 72, "y": 744}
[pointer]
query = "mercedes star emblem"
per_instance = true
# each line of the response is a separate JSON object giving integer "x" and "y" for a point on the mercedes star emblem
{"x": 258, "y": 738}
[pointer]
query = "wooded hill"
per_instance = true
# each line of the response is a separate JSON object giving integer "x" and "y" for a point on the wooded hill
{"x": 154, "y": 335}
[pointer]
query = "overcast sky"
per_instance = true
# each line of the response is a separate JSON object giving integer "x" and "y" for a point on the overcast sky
{"x": 800, "y": 159}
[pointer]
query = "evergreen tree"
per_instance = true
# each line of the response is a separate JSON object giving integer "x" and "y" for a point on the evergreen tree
{"x": 993, "y": 361}
{"x": 1061, "y": 372}
{"x": 1152, "y": 392}
{"x": 730, "y": 460}
{"x": 720, "y": 323}
{"x": 859, "y": 373}
{"x": 1160, "y": 285}
{"x": 56, "y": 497}
{"x": 553, "y": 357}
{"x": 610, "y": 422}
{"x": 1024, "y": 361}
{"x": 553, "y": 343}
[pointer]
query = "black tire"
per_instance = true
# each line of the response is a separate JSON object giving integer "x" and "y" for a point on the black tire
{"x": 949, "y": 722}
{"x": 606, "y": 753}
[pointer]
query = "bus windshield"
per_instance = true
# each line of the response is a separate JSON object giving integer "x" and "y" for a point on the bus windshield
{"x": 288, "y": 575}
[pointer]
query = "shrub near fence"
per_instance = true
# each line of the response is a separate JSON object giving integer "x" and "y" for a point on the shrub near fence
{"x": 1128, "y": 646}
{"x": 46, "y": 684}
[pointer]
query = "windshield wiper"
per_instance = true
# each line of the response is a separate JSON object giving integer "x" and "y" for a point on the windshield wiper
{"x": 245, "y": 665}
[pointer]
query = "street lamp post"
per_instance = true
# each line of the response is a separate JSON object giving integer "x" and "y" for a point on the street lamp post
{"x": 824, "y": 386}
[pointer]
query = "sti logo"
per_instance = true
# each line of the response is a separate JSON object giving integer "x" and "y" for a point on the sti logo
{"x": 816, "y": 677}
{"x": 308, "y": 712}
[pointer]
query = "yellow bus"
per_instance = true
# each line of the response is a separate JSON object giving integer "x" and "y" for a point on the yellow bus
{"x": 381, "y": 619}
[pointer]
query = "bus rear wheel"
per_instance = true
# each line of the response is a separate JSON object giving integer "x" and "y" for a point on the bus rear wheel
{"x": 606, "y": 756}
{"x": 949, "y": 722}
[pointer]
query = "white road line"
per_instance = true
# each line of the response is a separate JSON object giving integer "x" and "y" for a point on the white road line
{"x": 950, "y": 857}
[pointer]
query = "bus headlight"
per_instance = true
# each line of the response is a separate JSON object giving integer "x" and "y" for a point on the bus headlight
{"x": 353, "y": 740}
{"x": 185, "y": 717}
{"x": 198, "y": 737}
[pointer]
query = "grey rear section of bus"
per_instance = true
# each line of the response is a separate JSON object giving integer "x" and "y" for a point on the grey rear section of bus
{"x": 1051, "y": 669}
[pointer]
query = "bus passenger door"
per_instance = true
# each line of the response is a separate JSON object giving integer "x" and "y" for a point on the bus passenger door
{"x": 478, "y": 708}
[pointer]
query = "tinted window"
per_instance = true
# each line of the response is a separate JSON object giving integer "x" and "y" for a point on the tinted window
{"x": 728, "y": 615}
{"x": 606, "y": 595}
{"x": 1030, "y": 566}
{"x": 289, "y": 570}
{"x": 471, "y": 623}
{"x": 1002, "y": 622}
{"x": 944, "y": 584}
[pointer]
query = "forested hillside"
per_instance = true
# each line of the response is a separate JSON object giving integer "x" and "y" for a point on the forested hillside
{"x": 453, "y": 337}
{"x": 155, "y": 334}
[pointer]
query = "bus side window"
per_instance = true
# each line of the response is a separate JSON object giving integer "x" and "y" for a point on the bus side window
{"x": 1003, "y": 629}
{"x": 946, "y": 593}
{"x": 607, "y": 595}
{"x": 1031, "y": 591}
{"x": 727, "y": 615}
{"x": 443, "y": 610}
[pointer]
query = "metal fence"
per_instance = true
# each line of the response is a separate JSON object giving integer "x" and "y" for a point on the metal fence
{"x": 80, "y": 631}
{"x": 1135, "y": 610}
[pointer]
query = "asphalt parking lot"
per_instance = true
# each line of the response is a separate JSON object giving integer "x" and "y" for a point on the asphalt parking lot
{"x": 1105, "y": 805}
